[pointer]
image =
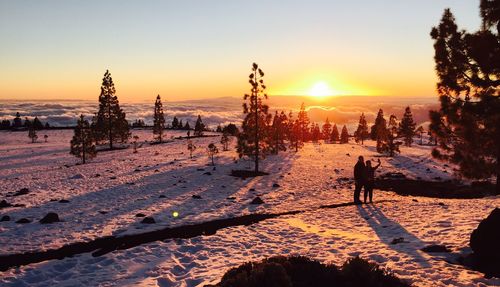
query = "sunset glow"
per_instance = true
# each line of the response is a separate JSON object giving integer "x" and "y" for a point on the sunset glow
{"x": 320, "y": 90}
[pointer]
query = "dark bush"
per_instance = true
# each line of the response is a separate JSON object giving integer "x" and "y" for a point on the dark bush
{"x": 300, "y": 271}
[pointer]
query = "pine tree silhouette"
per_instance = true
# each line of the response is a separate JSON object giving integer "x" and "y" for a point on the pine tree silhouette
{"x": 344, "y": 135}
{"x": 335, "y": 136}
{"x": 407, "y": 127}
{"x": 158, "y": 120}
{"x": 82, "y": 143}
{"x": 109, "y": 123}
{"x": 252, "y": 139}
{"x": 361, "y": 134}
{"x": 466, "y": 126}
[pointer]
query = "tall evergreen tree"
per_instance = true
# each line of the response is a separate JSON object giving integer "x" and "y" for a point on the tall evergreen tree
{"x": 158, "y": 120}
{"x": 187, "y": 127}
{"x": 315, "y": 133}
{"x": 17, "y": 122}
{"x": 175, "y": 123}
{"x": 468, "y": 68}
{"x": 420, "y": 130}
{"x": 199, "y": 127}
{"x": 110, "y": 123}
{"x": 335, "y": 136}
{"x": 252, "y": 139}
{"x": 389, "y": 144}
{"x": 407, "y": 127}
{"x": 379, "y": 130}
{"x": 181, "y": 125}
{"x": 326, "y": 130}
{"x": 37, "y": 124}
{"x": 82, "y": 144}
{"x": 278, "y": 132}
{"x": 361, "y": 133}
{"x": 304, "y": 123}
{"x": 344, "y": 135}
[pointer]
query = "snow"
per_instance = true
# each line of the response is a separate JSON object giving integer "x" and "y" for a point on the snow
{"x": 131, "y": 183}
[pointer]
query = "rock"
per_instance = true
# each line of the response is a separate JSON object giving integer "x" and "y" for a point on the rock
{"x": 200, "y": 169}
{"x": 23, "y": 221}
{"x": 207, "y": 173}
{"x": 336, "y": 171}
{"x": 435, "y": 248}
{"x": 5, "y": 218}
{"x": 347, "y": 154}
{"x": 231, "y": 198}
{"x": 102, "y": 212}
{"x": 51, "y": 217}
{"x": 148, "y": 220}
{"x": 275, "y": 185}
{"x": 251, "y": 189}
{"x": 414, "y": 200}
{"x": 257, "y": 200}
{"x": 137, "y": 170}
{"x": 140, "y": 215}
{"x": 485, "y": 238}
{"x": 440, "y": 203}
{"x": 63, "y": 201}
{"x": 398, "y": 240}
{"x": 162, "y": 196}
{"x": 437, "y": 178}
{"x": 97, "y": 175}
{"x": 4, "y": 203}
{"x": 195, "y": 196}
{"x": 77, "y": 176}
{"x": 113, "y": 177}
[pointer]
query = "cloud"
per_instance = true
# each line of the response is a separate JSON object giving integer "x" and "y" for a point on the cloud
{"x": 341, "y": 110}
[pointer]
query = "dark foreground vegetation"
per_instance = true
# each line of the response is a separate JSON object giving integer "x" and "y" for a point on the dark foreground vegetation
{"x": 298, "y": 271}
{"x": 435, "y": 189}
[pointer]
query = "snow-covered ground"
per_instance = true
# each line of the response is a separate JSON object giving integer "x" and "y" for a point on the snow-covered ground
{"x": 105, "y": 195}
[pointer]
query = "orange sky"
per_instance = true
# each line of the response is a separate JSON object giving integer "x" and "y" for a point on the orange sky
{"x": 60, "y": 50}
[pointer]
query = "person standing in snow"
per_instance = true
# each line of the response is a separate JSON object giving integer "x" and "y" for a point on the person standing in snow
{"x": 359, "y": 178}
{"x": 370, "y": 179}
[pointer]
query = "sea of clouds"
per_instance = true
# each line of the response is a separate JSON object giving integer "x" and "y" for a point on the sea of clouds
{"x": 340, "y": 110}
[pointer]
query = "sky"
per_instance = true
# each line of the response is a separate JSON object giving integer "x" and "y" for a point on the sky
{"x": 60, "y": 49}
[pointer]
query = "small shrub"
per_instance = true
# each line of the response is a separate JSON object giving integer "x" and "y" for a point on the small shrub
{"x": 298, "y": 271}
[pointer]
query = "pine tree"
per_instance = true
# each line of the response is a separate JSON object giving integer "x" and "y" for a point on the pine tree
{"x": 294, "y": 134}
{"x": 212, "y": 150}
{"x": 158, "y": 120}
{"x": 37, "y": 124}
{"x": 252, "y": 139}
{"x": 420, "y": 130}
{"x": 175, "y": 123}
{"x": 335, "y": 137}
{"x": 32, "y": 134}
{"x": 109, "y": 123}
{"x": 379, "y": 130}
{"x": 467, "y": 125}
{"x": 82, "y": 144}
{"x": 390, "y": 145}
{"x": 304, "y": 123}
{"x": 278, "y": 133}
{"x": 181, "y": 125}
{"x": 186, "y": 126}
{"x": 191, "y": 148}
{"x": 225, "y": 140}
{"x": 326, "y": 130}
{"x": 17, "y": 122}
{"x": 361, "y": 134}
{"x": 344, "y": 135}
{"x": 135, "y": 143}
{"x": 407, "y": 127}
{"x": 5, "y": 124}
{"x": 199, "y": 127}
{"x": 218, "y": 129}
{"x": 315, "y": 133}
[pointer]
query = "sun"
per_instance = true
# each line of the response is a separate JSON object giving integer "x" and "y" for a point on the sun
{"x": 320, "y": 89}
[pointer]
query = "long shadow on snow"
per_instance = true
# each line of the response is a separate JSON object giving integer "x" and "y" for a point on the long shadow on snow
{"x": 387, "y": 230}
